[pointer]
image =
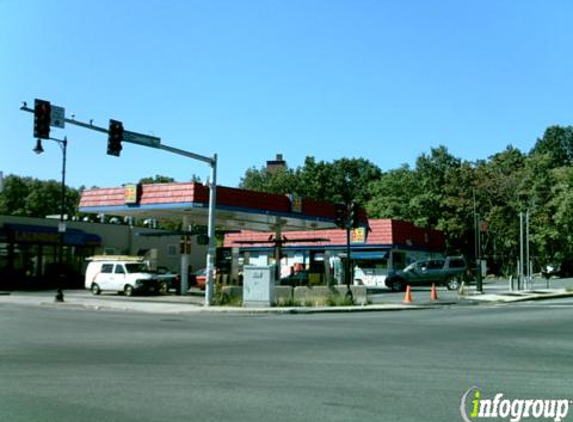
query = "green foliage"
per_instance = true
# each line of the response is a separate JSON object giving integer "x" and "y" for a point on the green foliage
{"x": 392, "y": 195}
{"x": 557, "y": 143}
{"x": 339, "y": 300}
{"x": 279, "y": 182}
{"x": 157, "y": 179}
{"x": 447, "y": 193}
{"x": 225, "y": 299}
{"x": 287, "y": 302}
{"x": 28, "y": 197}
{"x": 340, "y": 181}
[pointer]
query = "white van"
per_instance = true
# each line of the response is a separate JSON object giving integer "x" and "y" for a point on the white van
{"x": 122, "y": 274}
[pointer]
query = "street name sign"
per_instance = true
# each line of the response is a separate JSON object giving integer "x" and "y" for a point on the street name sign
{"x": 58, "y": 117}
{"x": 141, "y": 139}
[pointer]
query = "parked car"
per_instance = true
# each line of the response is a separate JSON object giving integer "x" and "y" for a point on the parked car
{"x": 128, "y": 276}
{"x": 200, "y": 277}
{"x": 447, "y": 271}
{"x": 168, "y": 280}
{"x": 171, "y": 280}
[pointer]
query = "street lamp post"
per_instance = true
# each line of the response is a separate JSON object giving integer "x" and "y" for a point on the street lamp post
{"x": 63, "y": 143}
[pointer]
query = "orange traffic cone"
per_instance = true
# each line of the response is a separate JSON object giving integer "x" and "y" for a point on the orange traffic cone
{"x": 408, "y": 297}
{"x": 434, "y": 293}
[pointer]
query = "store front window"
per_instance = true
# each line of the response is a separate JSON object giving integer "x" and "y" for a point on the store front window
{"x": 29, "y": 257}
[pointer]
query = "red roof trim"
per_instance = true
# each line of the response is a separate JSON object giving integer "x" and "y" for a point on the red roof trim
{"x": 383, "y": 232}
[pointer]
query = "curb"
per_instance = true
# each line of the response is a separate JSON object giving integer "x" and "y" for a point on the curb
{"x": 520, "y": 297}
{"x": 188, "y": 309}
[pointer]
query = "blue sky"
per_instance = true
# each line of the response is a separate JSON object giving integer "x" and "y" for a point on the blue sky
{"x": 384, "y": 80}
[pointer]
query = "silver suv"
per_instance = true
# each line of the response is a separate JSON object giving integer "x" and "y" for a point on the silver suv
{"x": 443, "y": 271}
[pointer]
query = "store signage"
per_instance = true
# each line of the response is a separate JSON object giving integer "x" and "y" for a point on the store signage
{"x": 295, "y": 202}
{"x": 131, "y": 193}
{"x": 358, "y": 235}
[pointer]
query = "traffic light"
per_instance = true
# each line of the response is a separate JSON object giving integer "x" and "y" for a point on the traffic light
{"x": 115, "y": 137}
{"x": 42, "y": 116}
{"x": 340, "y": 216}
{"x": 353, "y": 209}
{"x": 203, "y": 239}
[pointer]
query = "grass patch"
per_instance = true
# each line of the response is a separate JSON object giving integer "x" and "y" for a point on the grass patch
{"x": 225, "y": 299}
{"x": 339, "y": 300}
{"x": 287, "y": 302}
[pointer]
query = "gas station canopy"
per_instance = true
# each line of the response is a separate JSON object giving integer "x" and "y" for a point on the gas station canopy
{"x": 235, "y": 208}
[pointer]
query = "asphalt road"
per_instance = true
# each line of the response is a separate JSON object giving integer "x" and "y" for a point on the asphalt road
{"x": 77, "y": 365}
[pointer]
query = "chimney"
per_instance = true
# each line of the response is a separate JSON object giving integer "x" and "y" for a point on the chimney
{"x": 274, "y": 166}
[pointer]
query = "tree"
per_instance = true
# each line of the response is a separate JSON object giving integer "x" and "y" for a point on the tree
{"x": 431, "y": 172}
{"x": 149, "y": 180}
{"x": 13, "y": 195}
{"x": 343, "y": 180}
{"x": 561, "y": 203}
{"x": 279, "y": 182}
{"x": 156, "y": 179}
{"x": 417, "y": 195}
{"x": 557, "y": 142}
{"x": 392, "y": 194}
{"x": 28, "y": 197}
{"x": 458, "y": 207}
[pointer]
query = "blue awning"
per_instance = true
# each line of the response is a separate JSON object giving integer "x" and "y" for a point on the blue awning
{"x": 369, "y": 254}
{"x": 23, "y": 233}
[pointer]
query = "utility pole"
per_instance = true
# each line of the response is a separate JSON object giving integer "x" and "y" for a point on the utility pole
{"x": 521, "y": 254}
{"x": 479, "y": 283}
{"x": 524, "y": 270}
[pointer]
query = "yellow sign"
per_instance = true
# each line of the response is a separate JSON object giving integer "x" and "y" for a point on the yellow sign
{"x": 131, "y": 193}
{"x": 296, "y": 202}
{"x": 358, "y": 235}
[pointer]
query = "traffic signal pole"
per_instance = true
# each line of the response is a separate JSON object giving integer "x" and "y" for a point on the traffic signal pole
{"x": 154, "y": 142}
{"x": 209, "y": 283}
{"x": 347, "y": 219}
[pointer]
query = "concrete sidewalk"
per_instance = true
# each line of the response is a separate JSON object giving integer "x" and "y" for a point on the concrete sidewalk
{"x": 194, "y": 304}
{"x": 77, "y": 299}
{"x": 520, "y": 296}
